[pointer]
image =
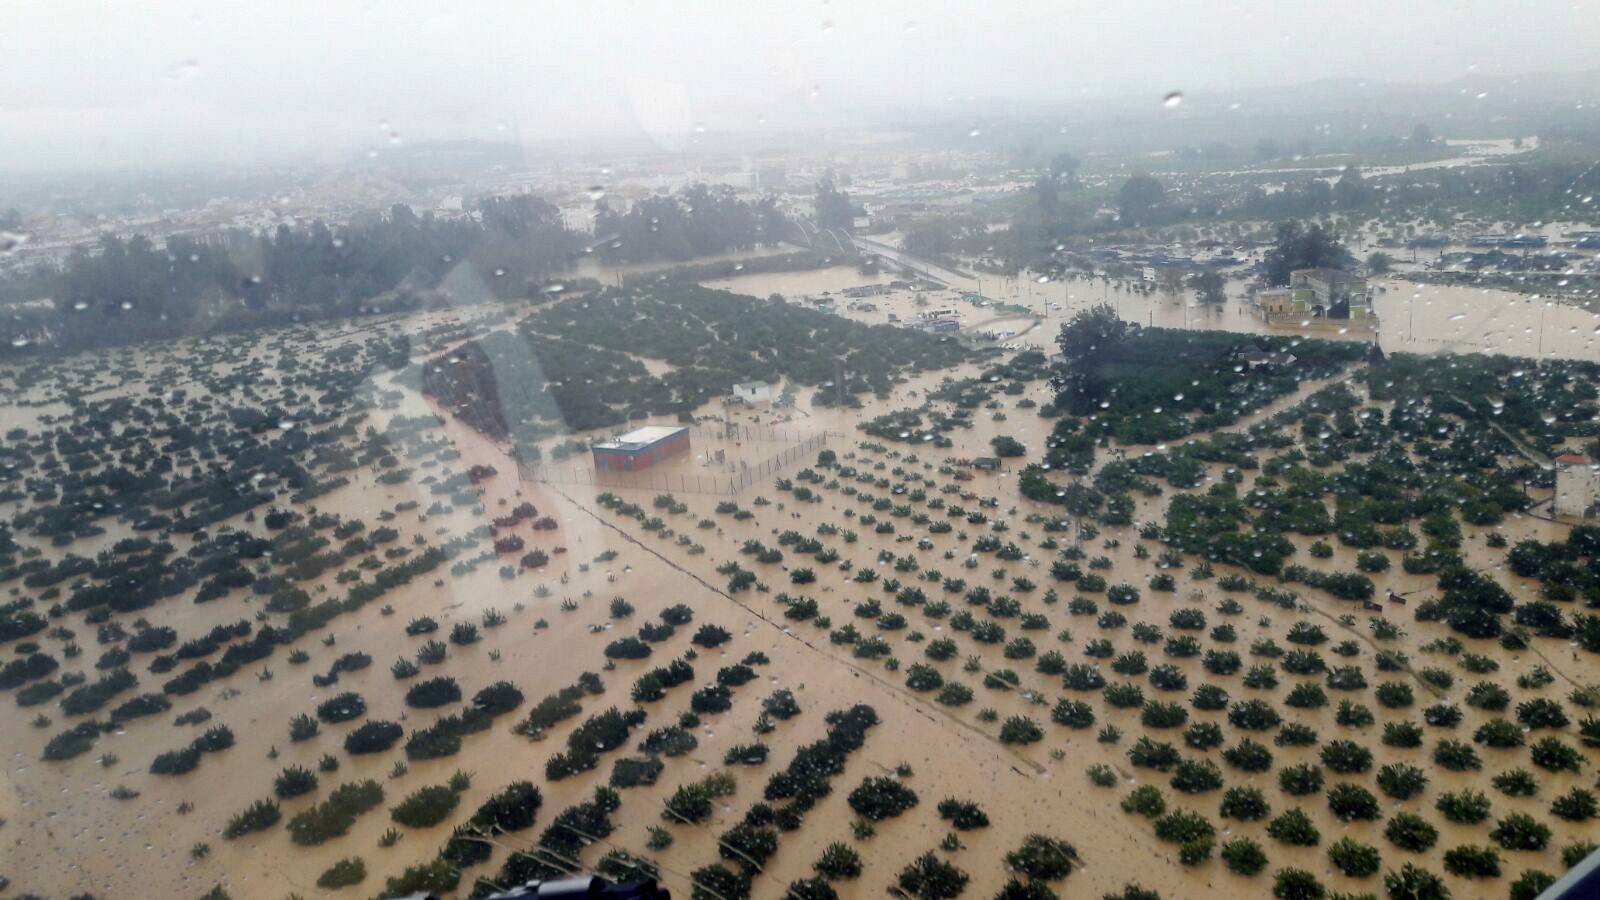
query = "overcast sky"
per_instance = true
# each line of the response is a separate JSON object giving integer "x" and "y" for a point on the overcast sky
{"x": 94, "y": 83}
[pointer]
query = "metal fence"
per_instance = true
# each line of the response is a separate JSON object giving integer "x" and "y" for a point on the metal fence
{"x": 722, "y": 479}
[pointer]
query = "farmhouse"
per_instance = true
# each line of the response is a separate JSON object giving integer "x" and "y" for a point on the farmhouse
{"x": 752, "y": 392}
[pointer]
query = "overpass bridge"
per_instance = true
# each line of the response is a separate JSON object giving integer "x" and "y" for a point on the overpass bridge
{"x": 837, "y": 240}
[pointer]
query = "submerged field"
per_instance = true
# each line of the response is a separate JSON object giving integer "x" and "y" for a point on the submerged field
{"x": 281, "y": 623}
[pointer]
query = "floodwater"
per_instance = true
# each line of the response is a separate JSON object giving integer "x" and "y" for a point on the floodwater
{"x": 65, "y": 834}
{"x": 1414, "y": 318}
{"x": 1473, "y": 152}
{"x": 805, "y": 283}
{"x": 590, "y": 266}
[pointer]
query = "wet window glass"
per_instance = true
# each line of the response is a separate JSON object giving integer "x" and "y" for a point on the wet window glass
{"x": 799, "y": 450}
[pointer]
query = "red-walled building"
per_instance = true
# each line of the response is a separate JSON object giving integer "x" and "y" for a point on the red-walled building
{"x": 640, "y": 448}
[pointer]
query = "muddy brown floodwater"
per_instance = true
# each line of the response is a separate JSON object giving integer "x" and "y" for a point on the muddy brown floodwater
{"x": 1414, "y": 318}
{"x": 64, "y": 833}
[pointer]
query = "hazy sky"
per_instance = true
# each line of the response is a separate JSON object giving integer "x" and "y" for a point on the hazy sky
{"x": 91, "y": 82}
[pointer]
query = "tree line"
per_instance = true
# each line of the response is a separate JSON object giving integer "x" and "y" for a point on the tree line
{"x": 1058, "y": 209}
{"x": 701, "y": 221}
{"x": 129, "y": 289}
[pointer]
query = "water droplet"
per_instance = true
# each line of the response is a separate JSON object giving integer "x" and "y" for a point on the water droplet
{"x": 10, "y": 241}
{"x": 1173, "y": 100}
{"x": 185, "y": 70}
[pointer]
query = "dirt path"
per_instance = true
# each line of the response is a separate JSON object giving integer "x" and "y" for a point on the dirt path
{"x": 924, "y": 709}
{"x": 478, "y": 449}
{"x": 1301, "y": 394}
{"x": 1528, "y": 453}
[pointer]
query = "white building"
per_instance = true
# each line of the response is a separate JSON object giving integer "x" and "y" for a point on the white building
{"x": 1577, "y": 485}
{"x": 753, "y": 392}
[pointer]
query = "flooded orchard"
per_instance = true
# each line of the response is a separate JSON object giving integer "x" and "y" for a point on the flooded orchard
{"x": 784, "y": 455}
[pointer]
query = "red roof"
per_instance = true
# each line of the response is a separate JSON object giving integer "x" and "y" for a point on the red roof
{"x": 1573, "y": 459}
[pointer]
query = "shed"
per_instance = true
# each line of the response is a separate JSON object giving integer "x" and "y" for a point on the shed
{"x": 1254, "y": 358}
{"x": 1577, "y": 485}
{"x": 640, "y": 448}
{"x": 752, "y": 392}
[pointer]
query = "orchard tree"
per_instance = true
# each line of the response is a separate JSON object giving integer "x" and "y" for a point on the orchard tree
{"x": 1140, "y": 201}
{"x": 1086, "y": 343}
{"x": 1209, "y": 287}
{"x": 1298, "y": 247}
{"x": 930, "y": 878}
